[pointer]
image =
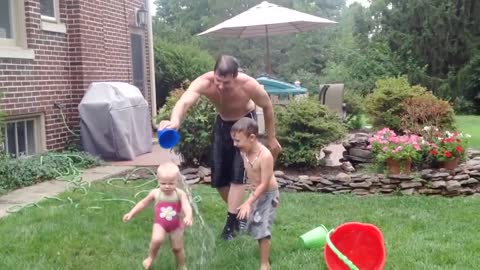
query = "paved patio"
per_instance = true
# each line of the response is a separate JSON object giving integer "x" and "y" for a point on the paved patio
{"x": 160, "y": 155}
{"x": 152, "y": 159}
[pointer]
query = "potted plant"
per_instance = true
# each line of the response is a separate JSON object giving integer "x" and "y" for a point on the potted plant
{"x": 448, "y": 148}
{"x": 397, "y": 152}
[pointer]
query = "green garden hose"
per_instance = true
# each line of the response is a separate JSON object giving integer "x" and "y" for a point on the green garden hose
{"x": 73, "y": 176}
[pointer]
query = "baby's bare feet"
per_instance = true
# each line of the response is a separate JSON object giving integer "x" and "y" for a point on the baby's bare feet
{"x": 182, "y": 267}
{"x": 147, "y": 263}
{"x": 265, "y": 267}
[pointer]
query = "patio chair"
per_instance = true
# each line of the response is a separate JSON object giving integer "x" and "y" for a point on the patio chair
{"x": 331, "y": 95}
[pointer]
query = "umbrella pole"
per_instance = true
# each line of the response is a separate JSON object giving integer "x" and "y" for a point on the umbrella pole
{"x": 268, "y": 64}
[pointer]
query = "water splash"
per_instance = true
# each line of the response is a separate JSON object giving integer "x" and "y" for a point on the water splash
{"x": 203, "y": 245}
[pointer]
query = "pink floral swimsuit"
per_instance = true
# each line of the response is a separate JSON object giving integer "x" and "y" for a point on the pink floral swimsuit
{"x": 167, "y": 212}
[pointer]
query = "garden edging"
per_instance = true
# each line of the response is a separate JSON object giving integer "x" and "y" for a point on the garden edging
{"x": 464, "y": 180}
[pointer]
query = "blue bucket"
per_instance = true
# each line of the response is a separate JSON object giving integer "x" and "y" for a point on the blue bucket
{"x": 168, "y": 138}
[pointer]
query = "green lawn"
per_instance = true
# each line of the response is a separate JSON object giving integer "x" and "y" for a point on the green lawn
{"x": 470, "y": 124}
{"x": 420, "y": 232}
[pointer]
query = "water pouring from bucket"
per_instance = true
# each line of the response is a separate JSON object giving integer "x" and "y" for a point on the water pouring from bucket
{"x": 351, "y": 246}
{"x": 168, "y": 138}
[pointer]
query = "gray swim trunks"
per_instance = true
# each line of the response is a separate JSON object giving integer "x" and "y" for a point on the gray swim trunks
{"x": 259, "y": 225}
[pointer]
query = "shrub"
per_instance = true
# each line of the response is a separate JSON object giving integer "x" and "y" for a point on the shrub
{"x": 384, "y": 106}
{"x": 304, "y": 127}
{"x": 467, "y": 85}
{"x": 426, "y": 110}
{"x": 15, "y": 172}
{"x": 175, "y": 64}
{"x": 354, "y": 110}
{"x": 357, "y": 122}
{"x": 464, "y": 106}
{"x": 354, "y": 103}
{"x": 196, "y": 129}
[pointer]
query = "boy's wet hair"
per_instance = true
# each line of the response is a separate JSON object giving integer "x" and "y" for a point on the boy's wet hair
{"x": 226, "y": 65}
{"x": 246, "y": 125}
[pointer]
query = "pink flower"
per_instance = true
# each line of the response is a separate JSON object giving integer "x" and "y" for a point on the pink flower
{"x": 397, "y": 149}
{"x": 414, "y": 139}
{"x": 393, "y": 139}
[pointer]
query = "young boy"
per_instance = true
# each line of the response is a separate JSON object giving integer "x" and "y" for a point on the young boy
{"x": 169, "y": 202}
{"x": 259, "y": 208}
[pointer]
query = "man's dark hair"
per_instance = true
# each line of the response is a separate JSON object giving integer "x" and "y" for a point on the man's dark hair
{"x": 245, "y": 125}
{"x": 226, "y": 65}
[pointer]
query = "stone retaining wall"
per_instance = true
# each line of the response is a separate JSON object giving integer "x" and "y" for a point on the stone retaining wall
{"x": 465, "y": 180}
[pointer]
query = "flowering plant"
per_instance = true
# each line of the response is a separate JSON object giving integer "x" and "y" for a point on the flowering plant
{"x": 386, "y": 144}
{"x": 447, "y": 145}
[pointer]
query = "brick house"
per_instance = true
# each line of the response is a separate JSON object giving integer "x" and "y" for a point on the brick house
{"x": 50, "y": 52}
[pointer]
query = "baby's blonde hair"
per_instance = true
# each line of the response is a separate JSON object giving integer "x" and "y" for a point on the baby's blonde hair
{"x": 168, "y": 170}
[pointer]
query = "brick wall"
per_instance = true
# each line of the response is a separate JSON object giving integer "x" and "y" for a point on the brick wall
{"x": 96, "y": 47}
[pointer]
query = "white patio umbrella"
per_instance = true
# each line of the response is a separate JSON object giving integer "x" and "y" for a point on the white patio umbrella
{"x": 267, "y": 19}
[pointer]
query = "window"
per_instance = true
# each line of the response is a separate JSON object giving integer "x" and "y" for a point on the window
{"x": 7, "y": 30}
{"x": 138, "y": 65}
{"x": 50, "y": 11}
{"x": 12, "y": 30}
{"x": 21, "y": 137}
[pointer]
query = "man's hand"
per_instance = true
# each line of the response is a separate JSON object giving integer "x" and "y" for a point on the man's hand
{"x": 127, "y": 217}
{"x": 244, "y": 211}
{"x": 168, "y": 124}
{"x": 274, "y": 147}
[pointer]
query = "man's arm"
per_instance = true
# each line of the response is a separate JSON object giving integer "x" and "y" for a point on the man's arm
{"x": 261, "y": 98}
{"x": 186, "y": 101}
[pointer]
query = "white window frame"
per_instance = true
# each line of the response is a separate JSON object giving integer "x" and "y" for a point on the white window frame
{"x": 56, "y": 12}
{"x": 10, "y": 41}
{"x": 39, "y": 132}
{"x": 53, "y": 24}
{"x": 16, "y": 47}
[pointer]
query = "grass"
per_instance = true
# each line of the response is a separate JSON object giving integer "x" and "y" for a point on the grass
{"x": 470, "y": 124}
{"x": 420, "y": 232}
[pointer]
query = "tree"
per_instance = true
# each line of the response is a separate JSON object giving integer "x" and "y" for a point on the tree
{"x": 287, "y": 52}
{"x": 439, "y": 34}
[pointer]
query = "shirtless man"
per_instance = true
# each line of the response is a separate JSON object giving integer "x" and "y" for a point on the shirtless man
{"x": 234, "y": 96}
{"x": 259, "y": 209}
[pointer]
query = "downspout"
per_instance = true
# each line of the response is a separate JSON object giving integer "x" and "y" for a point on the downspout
{"x": 153, "y": 94}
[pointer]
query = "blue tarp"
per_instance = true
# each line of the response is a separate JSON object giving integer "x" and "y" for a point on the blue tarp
{"x": 276, "y": 87}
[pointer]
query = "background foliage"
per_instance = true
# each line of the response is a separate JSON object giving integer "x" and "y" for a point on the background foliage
{"x": 196, "y": 130}
{"x": 434, "y": 43}
{"x": 304, "y": 127}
